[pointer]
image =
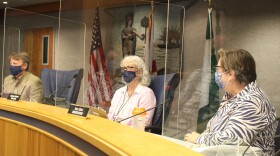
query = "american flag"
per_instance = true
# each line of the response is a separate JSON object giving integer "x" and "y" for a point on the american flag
{"x": 99, "y": 89}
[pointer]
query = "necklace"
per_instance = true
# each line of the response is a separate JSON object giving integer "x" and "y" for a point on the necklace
{"x": 122, "y": 106}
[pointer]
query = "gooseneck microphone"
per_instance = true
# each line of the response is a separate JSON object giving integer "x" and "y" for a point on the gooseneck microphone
{"x": 140, "y": 113}
{"x": 49, "y": 99}
{"x": 64, "y": 87}
{"x": 51, "y": 96}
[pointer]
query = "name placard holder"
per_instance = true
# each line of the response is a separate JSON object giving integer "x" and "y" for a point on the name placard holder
{"x": 78, "y": 110}
{"x": 13, "y": 97}
{"x": 98, "y": 111}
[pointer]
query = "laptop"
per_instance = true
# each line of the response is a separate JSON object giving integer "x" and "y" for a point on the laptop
{"x": 98, "y": 111}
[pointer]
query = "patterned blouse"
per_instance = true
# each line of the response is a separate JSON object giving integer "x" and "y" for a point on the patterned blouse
{"x": 247, "y": 117}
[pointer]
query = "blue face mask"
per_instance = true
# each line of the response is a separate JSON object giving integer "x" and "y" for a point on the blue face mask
{"x": 15, "y": 70}
{"x": 128, "y": 76}
{"x": 218, "y": 80}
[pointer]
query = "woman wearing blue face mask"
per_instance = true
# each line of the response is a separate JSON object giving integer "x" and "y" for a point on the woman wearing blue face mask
{"x": 245, "y": 115}
{"x": 136, "y": 93}
{"x": 21, "y": 81}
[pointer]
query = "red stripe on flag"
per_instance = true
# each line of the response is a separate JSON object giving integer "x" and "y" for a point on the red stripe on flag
{"x": 106, "y": 75}
{"x": 100, "y": 89}
{"x": 150, "y": 29}
{"x": 93, "y": 61}
{"x": 92, "y": 90}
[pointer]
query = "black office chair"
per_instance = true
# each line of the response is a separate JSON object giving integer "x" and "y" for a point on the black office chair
{"x": 68, "y": 84}
{"x": 157, "y": 85}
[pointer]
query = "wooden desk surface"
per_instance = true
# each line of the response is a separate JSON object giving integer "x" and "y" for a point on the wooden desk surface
{"x": 110, "y": 137}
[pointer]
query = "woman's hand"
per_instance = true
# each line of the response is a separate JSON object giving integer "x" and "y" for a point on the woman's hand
{"x": 191, "y": 137}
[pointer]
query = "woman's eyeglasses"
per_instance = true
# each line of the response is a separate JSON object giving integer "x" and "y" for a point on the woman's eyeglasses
{"x": 216, "y": 67}
{"x": 127, "y": 68}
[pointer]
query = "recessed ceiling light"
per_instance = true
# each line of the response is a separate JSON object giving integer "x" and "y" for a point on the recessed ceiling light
{"x": 5, "y": 2}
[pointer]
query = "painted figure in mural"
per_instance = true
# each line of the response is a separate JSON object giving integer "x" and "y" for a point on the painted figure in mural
{"x": 129, "y": 37}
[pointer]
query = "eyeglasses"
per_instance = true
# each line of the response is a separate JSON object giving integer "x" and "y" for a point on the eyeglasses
{"x": 127, "y": 68}
{"x": 216, "y": 67}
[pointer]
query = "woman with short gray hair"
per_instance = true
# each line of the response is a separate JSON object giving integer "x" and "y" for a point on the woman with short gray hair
{"x": 136, "y": 93}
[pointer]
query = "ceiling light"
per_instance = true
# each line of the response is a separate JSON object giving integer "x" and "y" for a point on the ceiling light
{"x": 5, "y": 2}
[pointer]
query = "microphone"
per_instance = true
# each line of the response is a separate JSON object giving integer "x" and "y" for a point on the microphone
{"x": 141, "y": 112}
{"x": 49, "y": 99}
{"x": 64, "y": 87}
{"x": 68, "y": 84}
{"x": 51, "y": 96}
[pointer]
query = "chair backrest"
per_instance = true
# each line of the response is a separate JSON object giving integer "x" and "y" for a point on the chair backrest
{"x": 157, "y": 85}
{"x": 64, "y": 84}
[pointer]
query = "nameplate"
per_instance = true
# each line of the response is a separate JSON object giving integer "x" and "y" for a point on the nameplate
{"x": 78, "y": 110}
{"x": 14, "y": 97}
{"x": 98, "y": 111}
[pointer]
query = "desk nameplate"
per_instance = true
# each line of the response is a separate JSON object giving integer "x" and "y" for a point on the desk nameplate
{"x": 78, "y": 110}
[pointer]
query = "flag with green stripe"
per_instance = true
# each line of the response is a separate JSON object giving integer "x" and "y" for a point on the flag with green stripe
{"x": 209, "y": 102}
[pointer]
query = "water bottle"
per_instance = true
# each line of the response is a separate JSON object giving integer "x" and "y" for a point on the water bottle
{"x": 139, "y": 120}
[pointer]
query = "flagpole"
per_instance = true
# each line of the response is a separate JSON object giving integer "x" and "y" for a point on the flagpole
{"x": 148, "y": 54}
{"x": 151, "y": 58}
{"x": 210, "y": 28}
{"x": 165, "y": 64}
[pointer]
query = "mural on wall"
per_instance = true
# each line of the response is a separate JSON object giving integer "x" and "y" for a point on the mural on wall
{"x": 131, "y": 23}
{"x": 173, "y": 39}
{"x": 129, "y": 35}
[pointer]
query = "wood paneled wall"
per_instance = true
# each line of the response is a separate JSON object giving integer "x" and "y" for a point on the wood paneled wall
{"x": 18, "y": 139}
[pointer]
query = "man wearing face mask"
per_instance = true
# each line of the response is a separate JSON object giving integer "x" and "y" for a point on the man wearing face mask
{"x": 21, "y": 81}
{"x": 245, "y": 115}
{"x": 136, "y": 93}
